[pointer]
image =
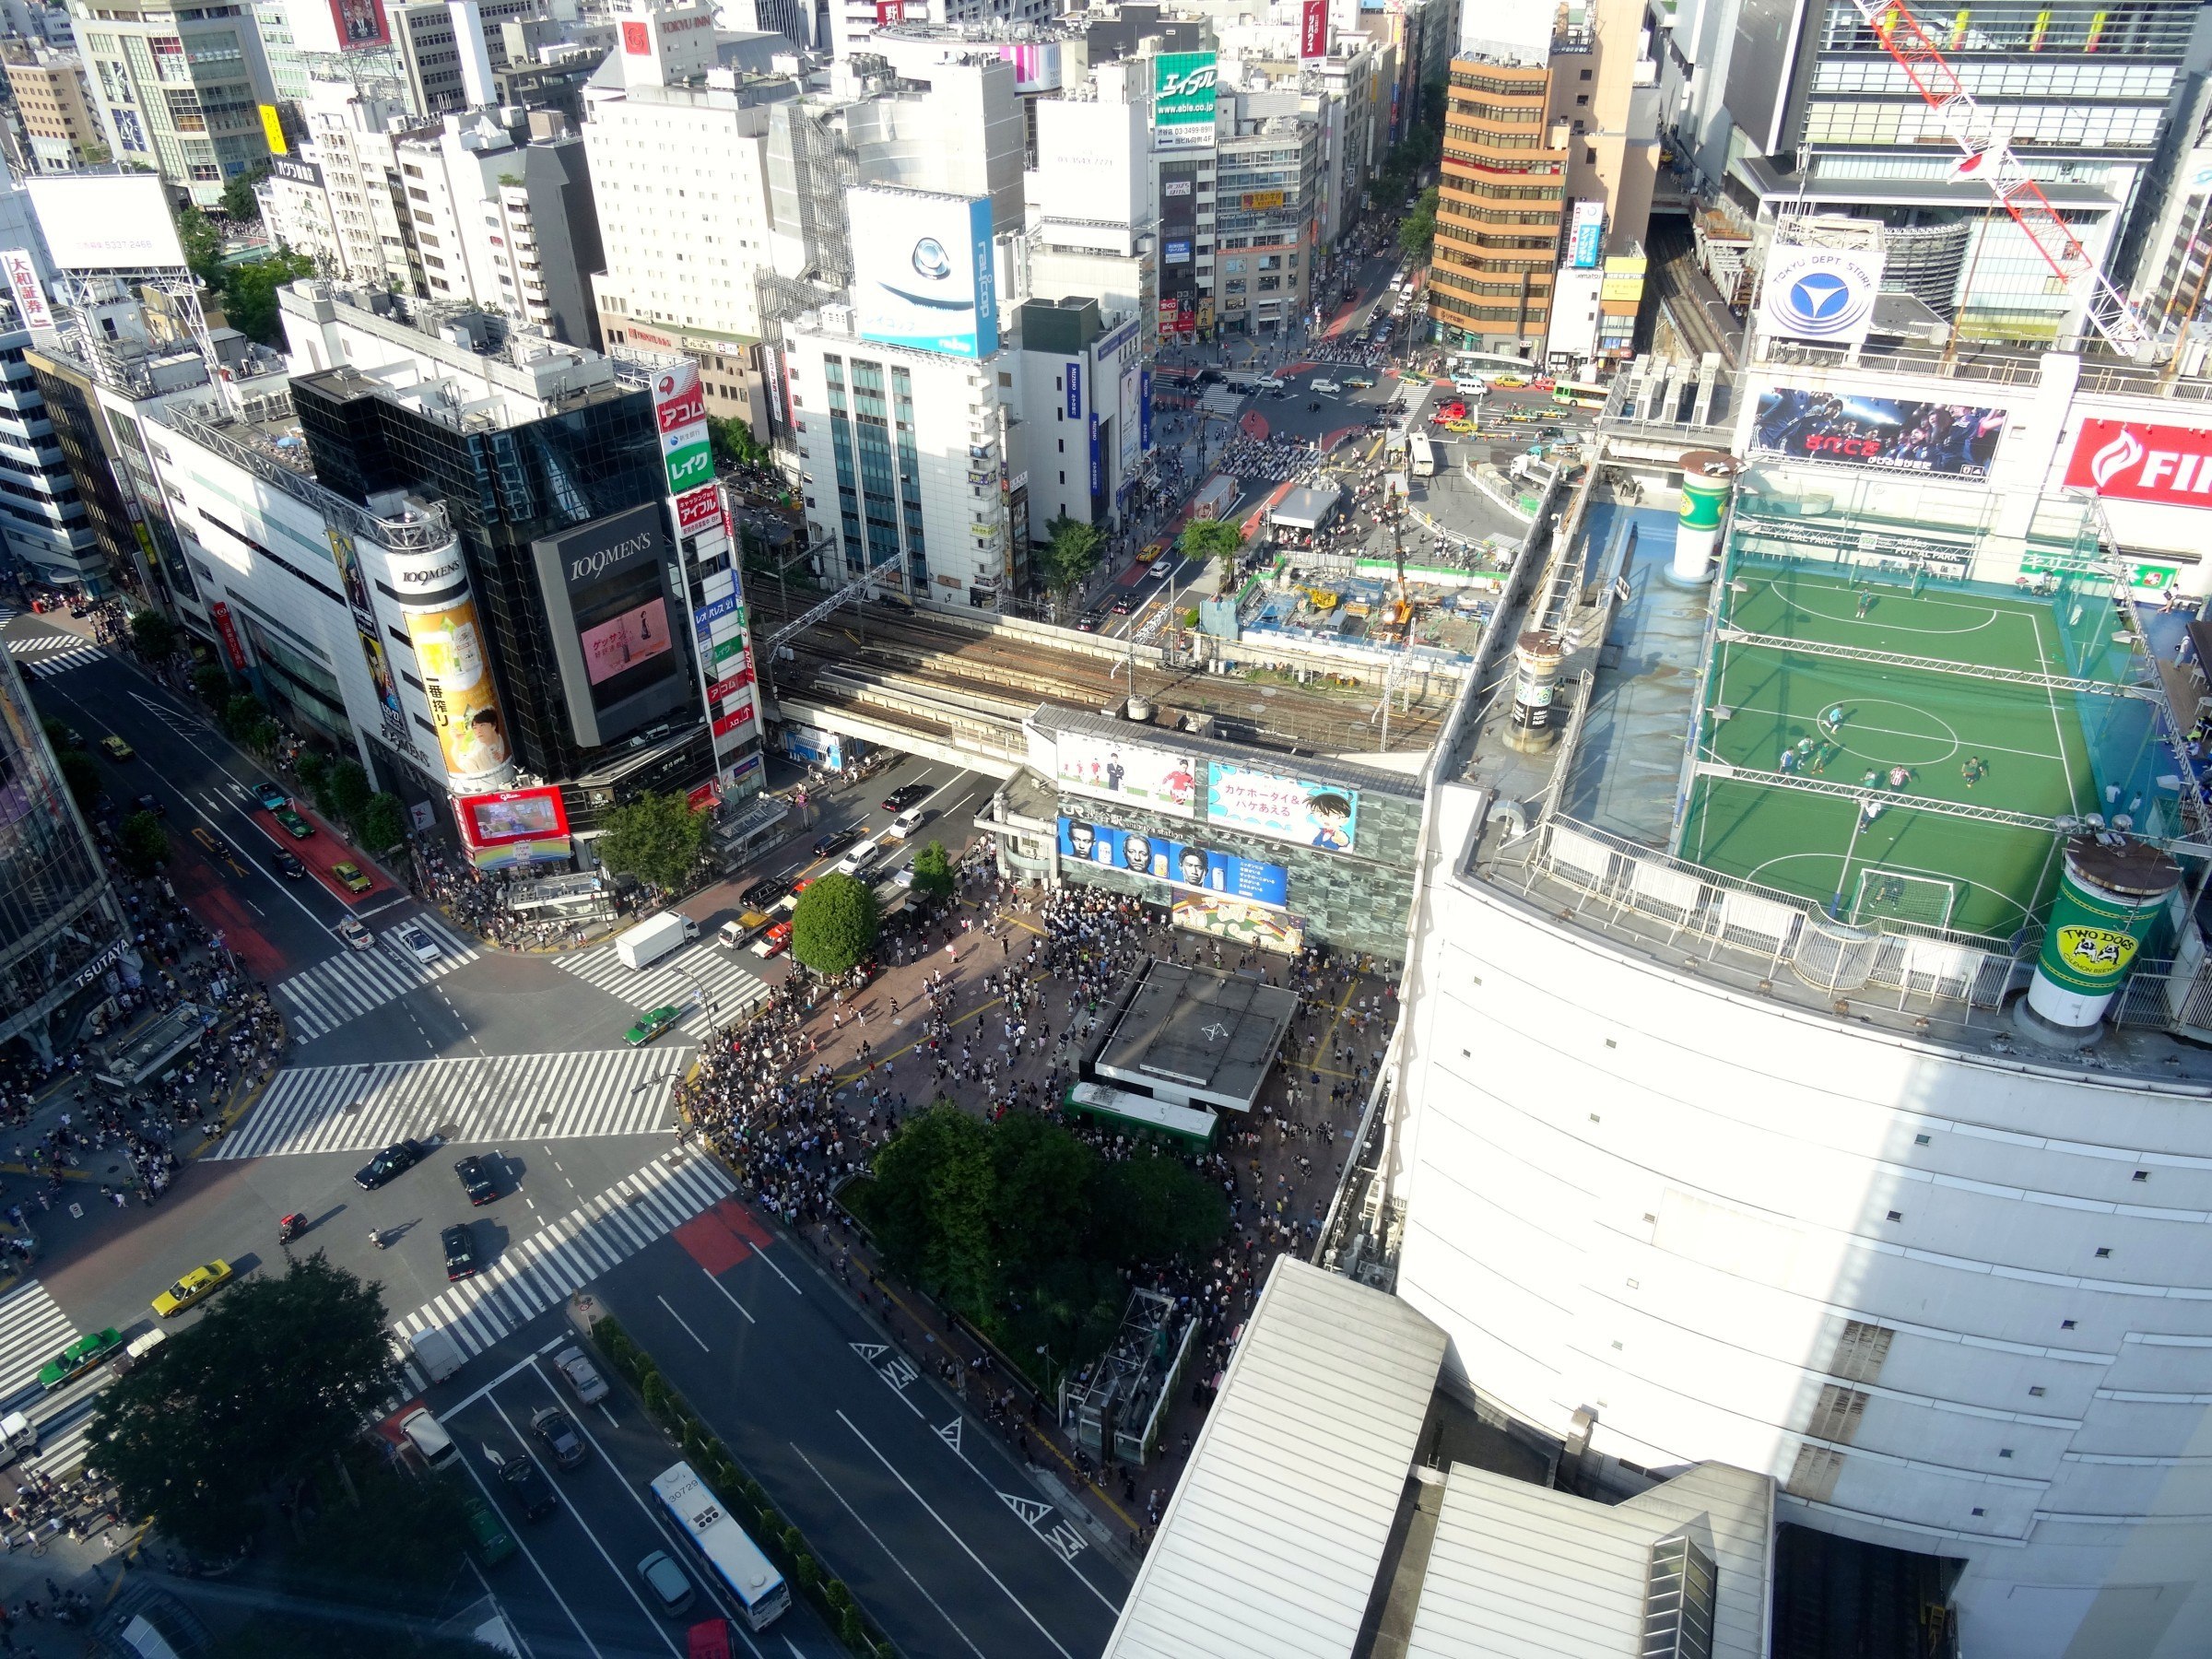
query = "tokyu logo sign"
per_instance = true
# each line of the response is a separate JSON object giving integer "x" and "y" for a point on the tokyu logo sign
{"x": 2131, "y": 461}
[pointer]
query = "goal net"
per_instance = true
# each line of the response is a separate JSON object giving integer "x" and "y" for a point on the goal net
{"x": 1896, "y": 896}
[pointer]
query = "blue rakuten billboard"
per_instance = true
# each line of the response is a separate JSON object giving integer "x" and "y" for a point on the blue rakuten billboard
{"x": 923, "y": 272}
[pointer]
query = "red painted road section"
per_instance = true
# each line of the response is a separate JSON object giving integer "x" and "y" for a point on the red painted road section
{"x": 744, "y": 1223}
{"x": 1290, "y": 369}
{"x": 1254, "y": 521}
{"x": 324, "y": 848}
{"x": 1255, "y": 424}
{"x": 202, "y": 889}
{"x": 708, "y": 1241}
{"x": 1330, "y": 441}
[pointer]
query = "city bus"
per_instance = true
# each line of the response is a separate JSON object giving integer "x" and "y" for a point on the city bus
{"x": 724, "y": 1546}
{"x": 1424, "y": 456}
{"x": 1578, "y": 394}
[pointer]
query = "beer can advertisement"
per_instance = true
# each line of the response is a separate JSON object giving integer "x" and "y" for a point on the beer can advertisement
{"x": 1885, "y": 434}
{"x": 464, "y": 707}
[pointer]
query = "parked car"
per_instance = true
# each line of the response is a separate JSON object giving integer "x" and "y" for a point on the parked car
{"x": 394, "y": 1161}
{"x": 476, "y": 1178}
{"x": 577, "y": 1369}
{"x": 460, "y": 1244}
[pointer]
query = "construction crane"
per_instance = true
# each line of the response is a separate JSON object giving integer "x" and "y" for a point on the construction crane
{"x": 1986, "y": 155}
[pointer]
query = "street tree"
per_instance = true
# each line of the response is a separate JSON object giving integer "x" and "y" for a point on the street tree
{"x": 1214, "y": 539}
{"x": 1417, "y": 231}
{"x": 238, "y": 200}
{"x": 349, "y": 791}
{"x": 249, "y": 293}
{"x": 274, "y": 1379}
{"x": 733, "y": 443}
{"x": 834, "y": 925}
{"x": 240, "y": 711}
{"x": 154, "y": 635}
{"x": 141, "y": 843}
{"x": 212, "y": 681}
{"x": 81, "y": 775}
{"x": 1071, "y": 554}
{"x": 933, "y": 871}
{"x": 385, "y": 822}
{"x": 656, "y": 838}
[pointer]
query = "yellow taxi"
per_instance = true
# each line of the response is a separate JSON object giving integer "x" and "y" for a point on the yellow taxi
{"x": 199, "y": 1282}
{"x": 117, "y": 748}
{"x": 349, "y": 876}
{"x": 1150, "y": 551}
{"x": 1509, "y": 382}
{"x": 1459, "y": 426}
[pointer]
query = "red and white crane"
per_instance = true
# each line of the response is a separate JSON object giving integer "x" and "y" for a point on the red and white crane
{"x": 1986, "y": 155}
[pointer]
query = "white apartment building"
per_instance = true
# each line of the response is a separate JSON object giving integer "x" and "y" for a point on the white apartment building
{"x": 1091, "y": 214}
{"x": 351, "y": 133}
{"x": 1079, "y": 438}
{"x": 900, "y": 459}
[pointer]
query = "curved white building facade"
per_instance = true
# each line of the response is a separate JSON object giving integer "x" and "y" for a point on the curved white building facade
{"x": 1955, "y": 1295}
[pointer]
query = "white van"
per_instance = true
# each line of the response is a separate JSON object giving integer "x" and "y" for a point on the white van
{"x": 1322, "y": 388}
{"x": 1470, "y": 385}
{"x": 429, "y": 1438}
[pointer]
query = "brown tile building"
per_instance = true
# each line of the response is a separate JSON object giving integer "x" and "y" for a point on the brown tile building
{"x": 1501, "y": 197}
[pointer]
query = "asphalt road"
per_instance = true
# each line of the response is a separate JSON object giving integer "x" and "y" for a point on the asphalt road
{"x": 521, "y": 1058}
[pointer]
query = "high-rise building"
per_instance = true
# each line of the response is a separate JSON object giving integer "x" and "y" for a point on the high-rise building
{"x": 179, "y": 91}
{"x": 61, "y": 129}
{"x": 1499, "y": 203}
{"x": 1796, "y": 110}
{"x": 63, "y": 944}
{"x": 1264, "y": 160}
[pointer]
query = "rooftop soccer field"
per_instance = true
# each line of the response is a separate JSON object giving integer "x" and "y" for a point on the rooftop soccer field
{"x": 1958, "y": 738}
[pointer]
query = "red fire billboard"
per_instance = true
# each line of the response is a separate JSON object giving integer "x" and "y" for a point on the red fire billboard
{"x": 2131, "y": 461}
{"x": 511, "y": 815}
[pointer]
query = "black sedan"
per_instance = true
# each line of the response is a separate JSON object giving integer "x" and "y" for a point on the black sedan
{"x": 460, "y": 1252}
{"x": 835, "y": 841}
{"x": 762, "y": 893}
{"x": 557, "y": 1433}
{"x": 288, "y": 864}
{"x": 905, "y": 795}
{"x": 476, "y": 1178}
{"x": 395, "y": 1159}
{"x": 527, "y": 1485}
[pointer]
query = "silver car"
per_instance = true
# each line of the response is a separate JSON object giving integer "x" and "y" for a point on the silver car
{"x": 581, "y": 1375}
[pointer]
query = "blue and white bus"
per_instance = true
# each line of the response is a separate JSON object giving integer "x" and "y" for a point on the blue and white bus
{"x": 724, "y": 1544}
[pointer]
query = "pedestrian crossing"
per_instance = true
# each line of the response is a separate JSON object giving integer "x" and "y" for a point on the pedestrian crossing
{"x": 532, "y": 1276}
{"x": 319, "y": 1000}
{"x": 694, "y": 976}
{"x": 32, "y": 1330}
{"x": 44, "y": 656}
{"x": 505, "y": 1098}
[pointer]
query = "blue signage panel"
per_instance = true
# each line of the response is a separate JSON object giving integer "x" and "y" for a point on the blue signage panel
{"x": 1179, "y": 864}
{"x": 1074, "y": 391}
{"x": 1144, "y": 408}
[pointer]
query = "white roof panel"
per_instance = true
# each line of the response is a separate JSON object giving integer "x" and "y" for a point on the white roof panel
{"x": 1275, "y": 1533}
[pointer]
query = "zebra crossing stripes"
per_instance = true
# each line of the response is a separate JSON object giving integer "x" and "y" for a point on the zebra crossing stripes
{"x": 41, "y": 643}
{"x": 32, "y": 1330}
{"x": 500, "y": 1098}
{"x": 694, "y": 976}
{"x": 47, "y": 666}
{"x": 570, "y": 1253}
{"x": 341, "y": 988}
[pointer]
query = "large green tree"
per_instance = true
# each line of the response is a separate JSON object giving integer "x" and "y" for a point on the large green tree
{"x": 384, "y": 824}
{"x": 81, "y": 775}
{"x": 834, "y": 925}
{"x": 238, "y": 200}
{"x": 275, "y": 1378}
{"x": 1026, "y": 1229}
{"x": 657, "y": 837}
{"x": 733, "y": 443}
{"x": 349, "y": 791}
{"x": 1212, "y": 539}
{"x": 141, "y": 843}
{"x": 154, "y": 634}
{"x": 1417, "y": 231}
{"x": 1071, "y": 555}
{"x": 933, "y": 871}
{"x": 249, "y": 293}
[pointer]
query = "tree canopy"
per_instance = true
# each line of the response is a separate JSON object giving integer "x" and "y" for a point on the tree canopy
{"x": 249, "y": 293}
{"x": 141, "y": 843}
{"x": 833, "y": 926}
{"x": 385, "y": 822}
{"x": 278, "y": 1375}
{"x": 1024, "y": 1228}
{"x": 733, "y": 443}
{"x": 1072, "y": 554}
{"x": 656, "y": 838}
{"x": 154, "y": 634}
{"x": 1417, "y": 231}
{"x": 1212, "y": 539}
{"x": 933, "y": 871}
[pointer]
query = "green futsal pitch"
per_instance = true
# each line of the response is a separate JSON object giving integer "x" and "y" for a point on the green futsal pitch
{"x": 2022, "y": 745}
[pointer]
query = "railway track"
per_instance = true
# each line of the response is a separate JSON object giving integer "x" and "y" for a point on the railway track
{"x": 941, "y": 670}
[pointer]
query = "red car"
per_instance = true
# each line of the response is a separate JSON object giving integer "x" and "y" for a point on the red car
{"x": 1451, "y": 411}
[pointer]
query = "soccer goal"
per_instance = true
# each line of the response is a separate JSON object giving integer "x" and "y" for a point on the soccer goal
{"x": 1896, "y": 896}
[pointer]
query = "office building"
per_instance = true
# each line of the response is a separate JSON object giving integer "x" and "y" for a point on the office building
{"x": 447, "y": 50}
{"x": 1092, "y": 222}
{"x": 1081, "y": 436}
{"x": 64, "y": 948}
{"x": 1499, "y": 203}
{"x": 1266, "y": 156}
{"x": 61, "y": 129}
{"x": 178, "y": 92}
{"x": 902, "y": 457}
{"x": 1800, "y": 111}
{"x": 340, "y": 199}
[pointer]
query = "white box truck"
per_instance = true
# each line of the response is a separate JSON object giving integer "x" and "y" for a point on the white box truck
{"x": 653, "y": 938}
{"x": 435, "y": 1352}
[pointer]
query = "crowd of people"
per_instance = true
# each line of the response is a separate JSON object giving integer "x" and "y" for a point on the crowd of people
{"x": 1274, "y": 458}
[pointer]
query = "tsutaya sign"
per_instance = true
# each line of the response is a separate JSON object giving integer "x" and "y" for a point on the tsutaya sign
{"x": 2130, "y": 461}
